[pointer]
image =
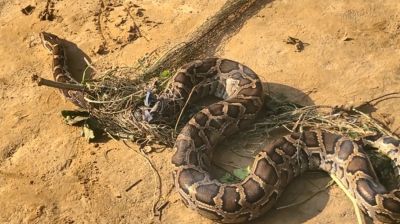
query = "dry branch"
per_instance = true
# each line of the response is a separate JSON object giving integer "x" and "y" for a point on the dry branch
{"x": 208, "y": 36}
{"x": 59, "y": 85}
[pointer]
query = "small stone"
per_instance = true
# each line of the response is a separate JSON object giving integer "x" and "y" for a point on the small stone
{"x": 28, "y": 10}
{"x": 101, "y": 49}
{"x": 147, "y": 149}
{"x": 140, "y": 13}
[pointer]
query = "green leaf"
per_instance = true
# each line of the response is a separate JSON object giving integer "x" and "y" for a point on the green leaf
{"x": 353, "y": 135}
{"x": 228, "y": 178}
{"x": 238, "y": 175}
{"x": 91, "y": 127}
{"x": 241, "y": 173}
{"x": 165, "y": 74}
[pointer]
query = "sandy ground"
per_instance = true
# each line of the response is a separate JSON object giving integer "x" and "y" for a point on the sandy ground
{"x": 49, "y": 174}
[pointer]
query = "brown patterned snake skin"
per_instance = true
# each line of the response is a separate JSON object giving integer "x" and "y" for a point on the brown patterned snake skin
{"x": 60, "y": 69}
{"x": 274, "y": 167}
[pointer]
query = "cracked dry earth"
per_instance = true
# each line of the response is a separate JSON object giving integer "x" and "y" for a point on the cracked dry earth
{"x": 49, "y": 174}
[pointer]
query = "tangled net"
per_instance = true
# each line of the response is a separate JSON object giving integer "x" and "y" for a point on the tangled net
{"x": 113, "y": 99}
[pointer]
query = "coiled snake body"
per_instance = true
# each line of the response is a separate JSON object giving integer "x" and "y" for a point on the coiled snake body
{"x": 275, "y": 166}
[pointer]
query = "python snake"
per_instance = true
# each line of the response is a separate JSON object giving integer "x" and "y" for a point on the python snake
{"x": 241, "y": 94}
{"x": 60, "y": 69}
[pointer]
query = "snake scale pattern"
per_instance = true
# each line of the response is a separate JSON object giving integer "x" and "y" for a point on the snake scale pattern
{"x": 60, "y": 69}
{"x": 241, "y": 94}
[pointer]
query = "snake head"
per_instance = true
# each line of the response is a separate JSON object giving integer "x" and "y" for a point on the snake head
{"x": 166, "y": 110}
{"x": 142, "y": 114}
{"x": 154, "y": 114}
{"x": 149, "y": 112}
{"x": 150, "y": 98}
{"x": 49, "y": 40}
{"x": 159, "y": 112}
{"x": 159, "y": 109}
